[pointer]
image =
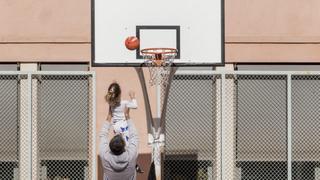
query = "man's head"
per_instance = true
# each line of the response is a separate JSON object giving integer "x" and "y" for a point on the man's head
{"x": 117, "y": 145}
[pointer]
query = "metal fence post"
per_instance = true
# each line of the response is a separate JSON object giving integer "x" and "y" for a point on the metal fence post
{"x": 289, "y": 127}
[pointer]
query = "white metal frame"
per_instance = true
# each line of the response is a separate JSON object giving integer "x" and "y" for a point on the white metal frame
{"x": 223, "y": 126}
{"x": 29, "y": 79}
{"x": 94, "y": 157}
{"x": 30, "y": 121}
{"x": 289, "y": 127}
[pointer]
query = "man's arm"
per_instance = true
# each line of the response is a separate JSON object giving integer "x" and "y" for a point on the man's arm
{"x": 133, "y": 140}
{"x": 104, "y": 141}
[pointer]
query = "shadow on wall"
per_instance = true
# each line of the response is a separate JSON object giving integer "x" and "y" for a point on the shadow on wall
{"x": 144, "y": 160}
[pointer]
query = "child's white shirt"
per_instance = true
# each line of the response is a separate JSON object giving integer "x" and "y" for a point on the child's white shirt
{"x": 120, "y": 125}
{"x": 118, "y": 113}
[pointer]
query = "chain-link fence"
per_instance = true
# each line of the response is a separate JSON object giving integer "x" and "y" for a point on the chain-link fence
{"x": 261, "y": 127}
{"x": 9, "y": 127}
{"x": 62, "y": 106}
{"x": 305, "y": 127}
{"x": 243, "y": 126}
{"x": 190, "y": 129}
{"x": 47, "y": 126}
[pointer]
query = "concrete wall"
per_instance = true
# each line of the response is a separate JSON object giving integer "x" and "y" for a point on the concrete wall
{"x": 260, "y": 31}
{"x": 272, "y": 31}
{"x": 45, "y": 30}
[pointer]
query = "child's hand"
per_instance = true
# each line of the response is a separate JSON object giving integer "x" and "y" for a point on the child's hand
{"x": 132, "y": 94}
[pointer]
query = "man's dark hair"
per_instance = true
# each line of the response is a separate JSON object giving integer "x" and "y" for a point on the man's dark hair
{"x": 117, "y": 145}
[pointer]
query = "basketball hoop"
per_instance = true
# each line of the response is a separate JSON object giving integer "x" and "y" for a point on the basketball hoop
{"x": 159, "y": 62}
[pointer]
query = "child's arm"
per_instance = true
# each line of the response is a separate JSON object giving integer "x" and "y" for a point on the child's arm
{"x": 132, "y": 104}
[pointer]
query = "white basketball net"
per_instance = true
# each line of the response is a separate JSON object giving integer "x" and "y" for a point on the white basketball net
{"x": 159, "y": 68}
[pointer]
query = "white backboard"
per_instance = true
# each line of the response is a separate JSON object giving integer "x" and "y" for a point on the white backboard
{"x": 194, "y": 27}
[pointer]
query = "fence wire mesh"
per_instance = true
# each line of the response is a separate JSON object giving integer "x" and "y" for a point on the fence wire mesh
{"x": 190, "y": 149}
{"x": 305, "y": 127}
{"x": 46, "y": 126}
{"x": 62, "y": 140}
{"x": 254, "y": 137}
{"x": 9, "y": 127}
{"x": 261, "y": 127}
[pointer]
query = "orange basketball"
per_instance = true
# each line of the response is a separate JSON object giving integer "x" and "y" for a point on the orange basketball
{"x": 132, "y": 43}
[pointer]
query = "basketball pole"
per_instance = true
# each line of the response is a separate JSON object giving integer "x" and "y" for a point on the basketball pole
{"x": 157, "y": 130}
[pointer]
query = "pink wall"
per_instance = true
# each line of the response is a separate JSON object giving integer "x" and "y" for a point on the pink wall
{"x": 48, "y": 52}
{"x": 272, "y": 31}
{"x": 45, "y": 30}
{"x": 45, "y": 21}
{"x": 256, "y": 31}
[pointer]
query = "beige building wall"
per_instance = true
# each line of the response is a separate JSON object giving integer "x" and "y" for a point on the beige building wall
{"x": 256, "y": 31}
{"x": 33, "y": 30}
{"x": 272, "y": 31}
